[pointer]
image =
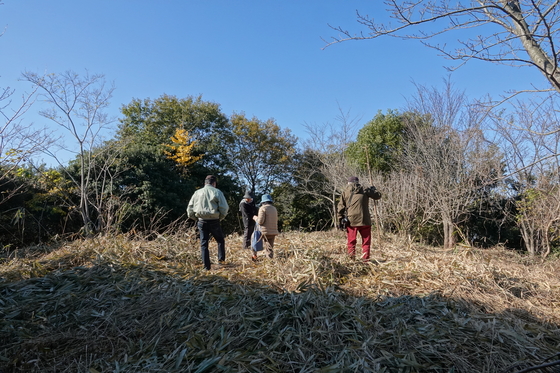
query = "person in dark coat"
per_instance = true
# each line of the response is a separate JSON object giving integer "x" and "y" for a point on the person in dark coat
{"x": 248, "y": 210}
{"x": 354, "y": 204}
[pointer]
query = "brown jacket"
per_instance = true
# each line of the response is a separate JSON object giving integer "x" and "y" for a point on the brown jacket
{"x": 355, "y": 198}
{"x": 268, "y": 219}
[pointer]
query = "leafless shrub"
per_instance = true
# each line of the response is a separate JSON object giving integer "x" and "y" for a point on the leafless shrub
{"x": 531, "y": 143}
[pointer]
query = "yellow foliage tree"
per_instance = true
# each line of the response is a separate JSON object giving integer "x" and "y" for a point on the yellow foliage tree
{"x": 181, "y": 152}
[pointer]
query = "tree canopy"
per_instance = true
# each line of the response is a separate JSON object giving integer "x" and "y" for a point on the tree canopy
{"x": 259, "y": 152}
{"x": 157, "y": 119}
{"x": 378, "y": 143}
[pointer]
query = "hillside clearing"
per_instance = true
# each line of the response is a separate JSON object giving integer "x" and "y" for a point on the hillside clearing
{"x": 122, "y": 304}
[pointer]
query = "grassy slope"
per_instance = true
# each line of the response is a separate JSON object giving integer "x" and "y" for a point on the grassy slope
{"x": 132, "y": 305}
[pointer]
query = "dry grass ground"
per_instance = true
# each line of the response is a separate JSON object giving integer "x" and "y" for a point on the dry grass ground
{"x": 122, "y": 304}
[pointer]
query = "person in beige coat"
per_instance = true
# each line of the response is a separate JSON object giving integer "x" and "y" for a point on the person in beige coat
{"x": 267, "y": 219}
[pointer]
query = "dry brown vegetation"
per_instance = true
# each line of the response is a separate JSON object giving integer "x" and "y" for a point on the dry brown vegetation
{"x": 125, "y": 304}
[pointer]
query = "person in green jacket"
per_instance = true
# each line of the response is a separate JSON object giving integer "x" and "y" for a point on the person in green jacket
{"x": 209, "y": 206}
{"x": 354, "y": 204}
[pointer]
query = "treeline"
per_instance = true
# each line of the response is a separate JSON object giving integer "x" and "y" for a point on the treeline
{"x": 449, "y": 170}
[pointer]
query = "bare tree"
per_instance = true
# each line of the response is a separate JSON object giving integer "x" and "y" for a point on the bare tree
{"x": 110, "y": 208}
{"x": 328, "y": 143}
{"x": 448, "y": 156}
{"x": 539, "y": 216}
{"x": 405, "y": 210}
{"x": 530, "y": 136}
{"x": 19, "y": 140}
{"x": 531, "y": 143}
{"x": 77, "y": 105}
{"x": 512, "y": 32}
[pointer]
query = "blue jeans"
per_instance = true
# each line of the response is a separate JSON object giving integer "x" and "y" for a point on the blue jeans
{"x": 211, "y": 228}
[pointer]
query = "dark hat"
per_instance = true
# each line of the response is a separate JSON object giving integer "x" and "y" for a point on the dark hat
{"x": 210, "y": 179}
{"x": 353, "y": 179}
{"x": 248, "y": 194}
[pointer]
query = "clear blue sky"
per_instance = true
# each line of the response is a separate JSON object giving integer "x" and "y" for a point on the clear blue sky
{"x": 264, "y": 58}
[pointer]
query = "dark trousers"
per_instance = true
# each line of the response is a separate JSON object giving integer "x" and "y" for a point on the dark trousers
{"x": 269, "y": 245}
{"x": 211, "y": 228}
{"x": 249, "y": 229}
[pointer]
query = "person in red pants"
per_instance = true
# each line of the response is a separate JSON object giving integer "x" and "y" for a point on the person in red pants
{"x": 353, "y": 213}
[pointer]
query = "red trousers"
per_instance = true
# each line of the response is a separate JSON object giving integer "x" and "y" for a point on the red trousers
{"x": 365, "y": 232}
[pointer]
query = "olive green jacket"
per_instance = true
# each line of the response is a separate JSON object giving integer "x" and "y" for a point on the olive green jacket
{"x": 354, "y": 201}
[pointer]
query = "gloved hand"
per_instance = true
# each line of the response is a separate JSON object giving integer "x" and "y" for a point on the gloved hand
{"x": 373, "y": 193}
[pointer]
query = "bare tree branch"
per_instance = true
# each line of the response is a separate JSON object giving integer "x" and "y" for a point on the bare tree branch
{"x": 516, "y": 33}
{"x": 77, "y": 105}
{"x": 19, "y": 141}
